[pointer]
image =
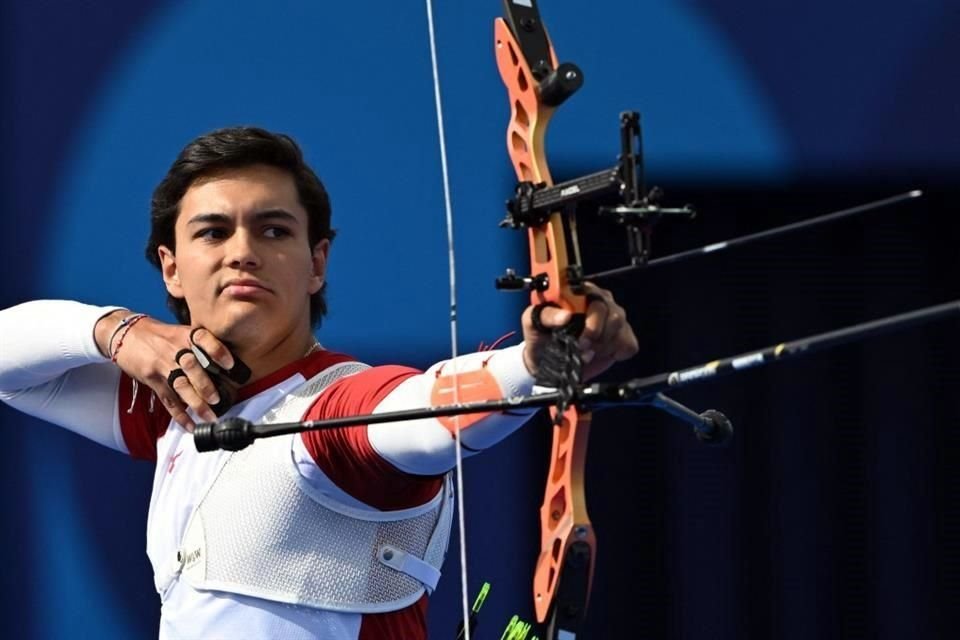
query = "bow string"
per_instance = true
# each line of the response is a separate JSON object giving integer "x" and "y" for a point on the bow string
{"x": 453, "y": 373}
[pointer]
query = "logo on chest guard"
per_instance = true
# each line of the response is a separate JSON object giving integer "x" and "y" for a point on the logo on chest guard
{"x": 191, "y": 558}
{"x": 173, "y": 461}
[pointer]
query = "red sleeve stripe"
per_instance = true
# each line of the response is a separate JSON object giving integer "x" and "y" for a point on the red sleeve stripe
{"x": 346, "y": 455}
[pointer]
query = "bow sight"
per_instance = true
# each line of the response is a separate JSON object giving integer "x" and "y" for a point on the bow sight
{"x": 618, "y": 194}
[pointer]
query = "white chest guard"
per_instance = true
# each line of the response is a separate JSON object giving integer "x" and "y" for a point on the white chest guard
{"x": 262, "y": 530}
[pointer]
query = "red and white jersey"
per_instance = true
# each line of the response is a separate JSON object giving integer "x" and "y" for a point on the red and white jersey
{"x": 55, "y": 372}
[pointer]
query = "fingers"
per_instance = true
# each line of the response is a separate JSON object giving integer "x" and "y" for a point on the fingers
{"x": 174, "y": 405}
{"x": 210, "y": 372}
{"x": 213, "y": 347}
{"x": 196, "y": 388}
{"x": 550, "y": 317}
{"x": 597, "y": 324}
{"x": 186, "y": 381}
{"x": 606, "y": 335}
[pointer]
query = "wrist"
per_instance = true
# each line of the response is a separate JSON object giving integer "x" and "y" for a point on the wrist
{"x": 120, "y": 333}
{"x": 511, "y": 368}
{"x": 105, "y": 329}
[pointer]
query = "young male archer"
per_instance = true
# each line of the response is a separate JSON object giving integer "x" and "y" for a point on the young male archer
{"x": 331, "y": 534}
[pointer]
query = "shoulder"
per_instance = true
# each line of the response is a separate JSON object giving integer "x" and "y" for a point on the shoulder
{"x": 347, "y": 457}
{"x": 359, "y": 392}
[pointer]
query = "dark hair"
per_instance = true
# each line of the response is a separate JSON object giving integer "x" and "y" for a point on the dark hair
{"x": 234, "y": 148}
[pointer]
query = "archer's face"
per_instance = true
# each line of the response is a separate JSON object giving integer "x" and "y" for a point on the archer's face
{"x": 243, "y": 262}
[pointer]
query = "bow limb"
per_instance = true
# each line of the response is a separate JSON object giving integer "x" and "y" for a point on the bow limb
{"x": 564, "y": 571}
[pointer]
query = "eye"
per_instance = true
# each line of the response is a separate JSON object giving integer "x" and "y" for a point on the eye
{"x": 277, "y": 232}
{"x": 211, "y": 233}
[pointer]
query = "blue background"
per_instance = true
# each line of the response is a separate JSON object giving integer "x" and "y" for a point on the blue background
{"x": 752, "y": 107}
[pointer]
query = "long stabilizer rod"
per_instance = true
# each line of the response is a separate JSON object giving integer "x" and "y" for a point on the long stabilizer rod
{"x": 644, "y": 388}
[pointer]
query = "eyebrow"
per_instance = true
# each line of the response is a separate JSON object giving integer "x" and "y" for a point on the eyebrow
{"x": 259, "y": 216}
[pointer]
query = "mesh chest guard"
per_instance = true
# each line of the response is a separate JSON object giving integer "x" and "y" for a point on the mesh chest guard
{"x": 262, "y": 530}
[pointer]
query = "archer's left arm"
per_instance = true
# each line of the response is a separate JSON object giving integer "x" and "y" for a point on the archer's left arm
{"x": 427, "y": 446}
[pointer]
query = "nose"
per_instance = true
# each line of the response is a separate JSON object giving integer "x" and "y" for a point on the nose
{"x": 241, "y": 252}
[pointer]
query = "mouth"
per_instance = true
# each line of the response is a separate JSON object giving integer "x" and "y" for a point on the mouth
{"x": 244, "y": 288}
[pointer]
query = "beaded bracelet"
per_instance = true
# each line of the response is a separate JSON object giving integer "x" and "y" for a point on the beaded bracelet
{"x": 125, "y": 325}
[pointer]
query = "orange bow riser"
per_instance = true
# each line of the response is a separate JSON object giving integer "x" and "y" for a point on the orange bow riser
{"x": 564, "y": 570}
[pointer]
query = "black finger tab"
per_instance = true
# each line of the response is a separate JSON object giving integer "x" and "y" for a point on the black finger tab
{"x": 173, "y": 375}
{"x": 240, "y": 372}
{"x": 205, "y": 360}
{"x": 226, "y": 400}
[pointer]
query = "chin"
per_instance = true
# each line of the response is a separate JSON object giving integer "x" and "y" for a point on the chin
{"x": 242, "y": 324}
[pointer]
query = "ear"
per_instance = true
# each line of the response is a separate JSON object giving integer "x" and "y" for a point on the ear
{"x": 168, "y": 267}
{"x": 318, "y": 274}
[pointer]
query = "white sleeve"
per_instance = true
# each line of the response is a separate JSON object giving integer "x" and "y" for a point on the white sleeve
{"x": 426, "y": 447}
{"x": 51, "y": 368}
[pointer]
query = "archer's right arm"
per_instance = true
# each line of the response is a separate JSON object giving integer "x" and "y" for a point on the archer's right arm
{"x": 54, "y": 365}
{"x": 52, "y": 368}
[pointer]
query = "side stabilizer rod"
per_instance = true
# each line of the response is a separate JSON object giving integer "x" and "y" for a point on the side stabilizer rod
{"x": 760, "y": 235}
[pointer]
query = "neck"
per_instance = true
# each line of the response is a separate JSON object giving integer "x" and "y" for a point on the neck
{"x": 264, "y": 358}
